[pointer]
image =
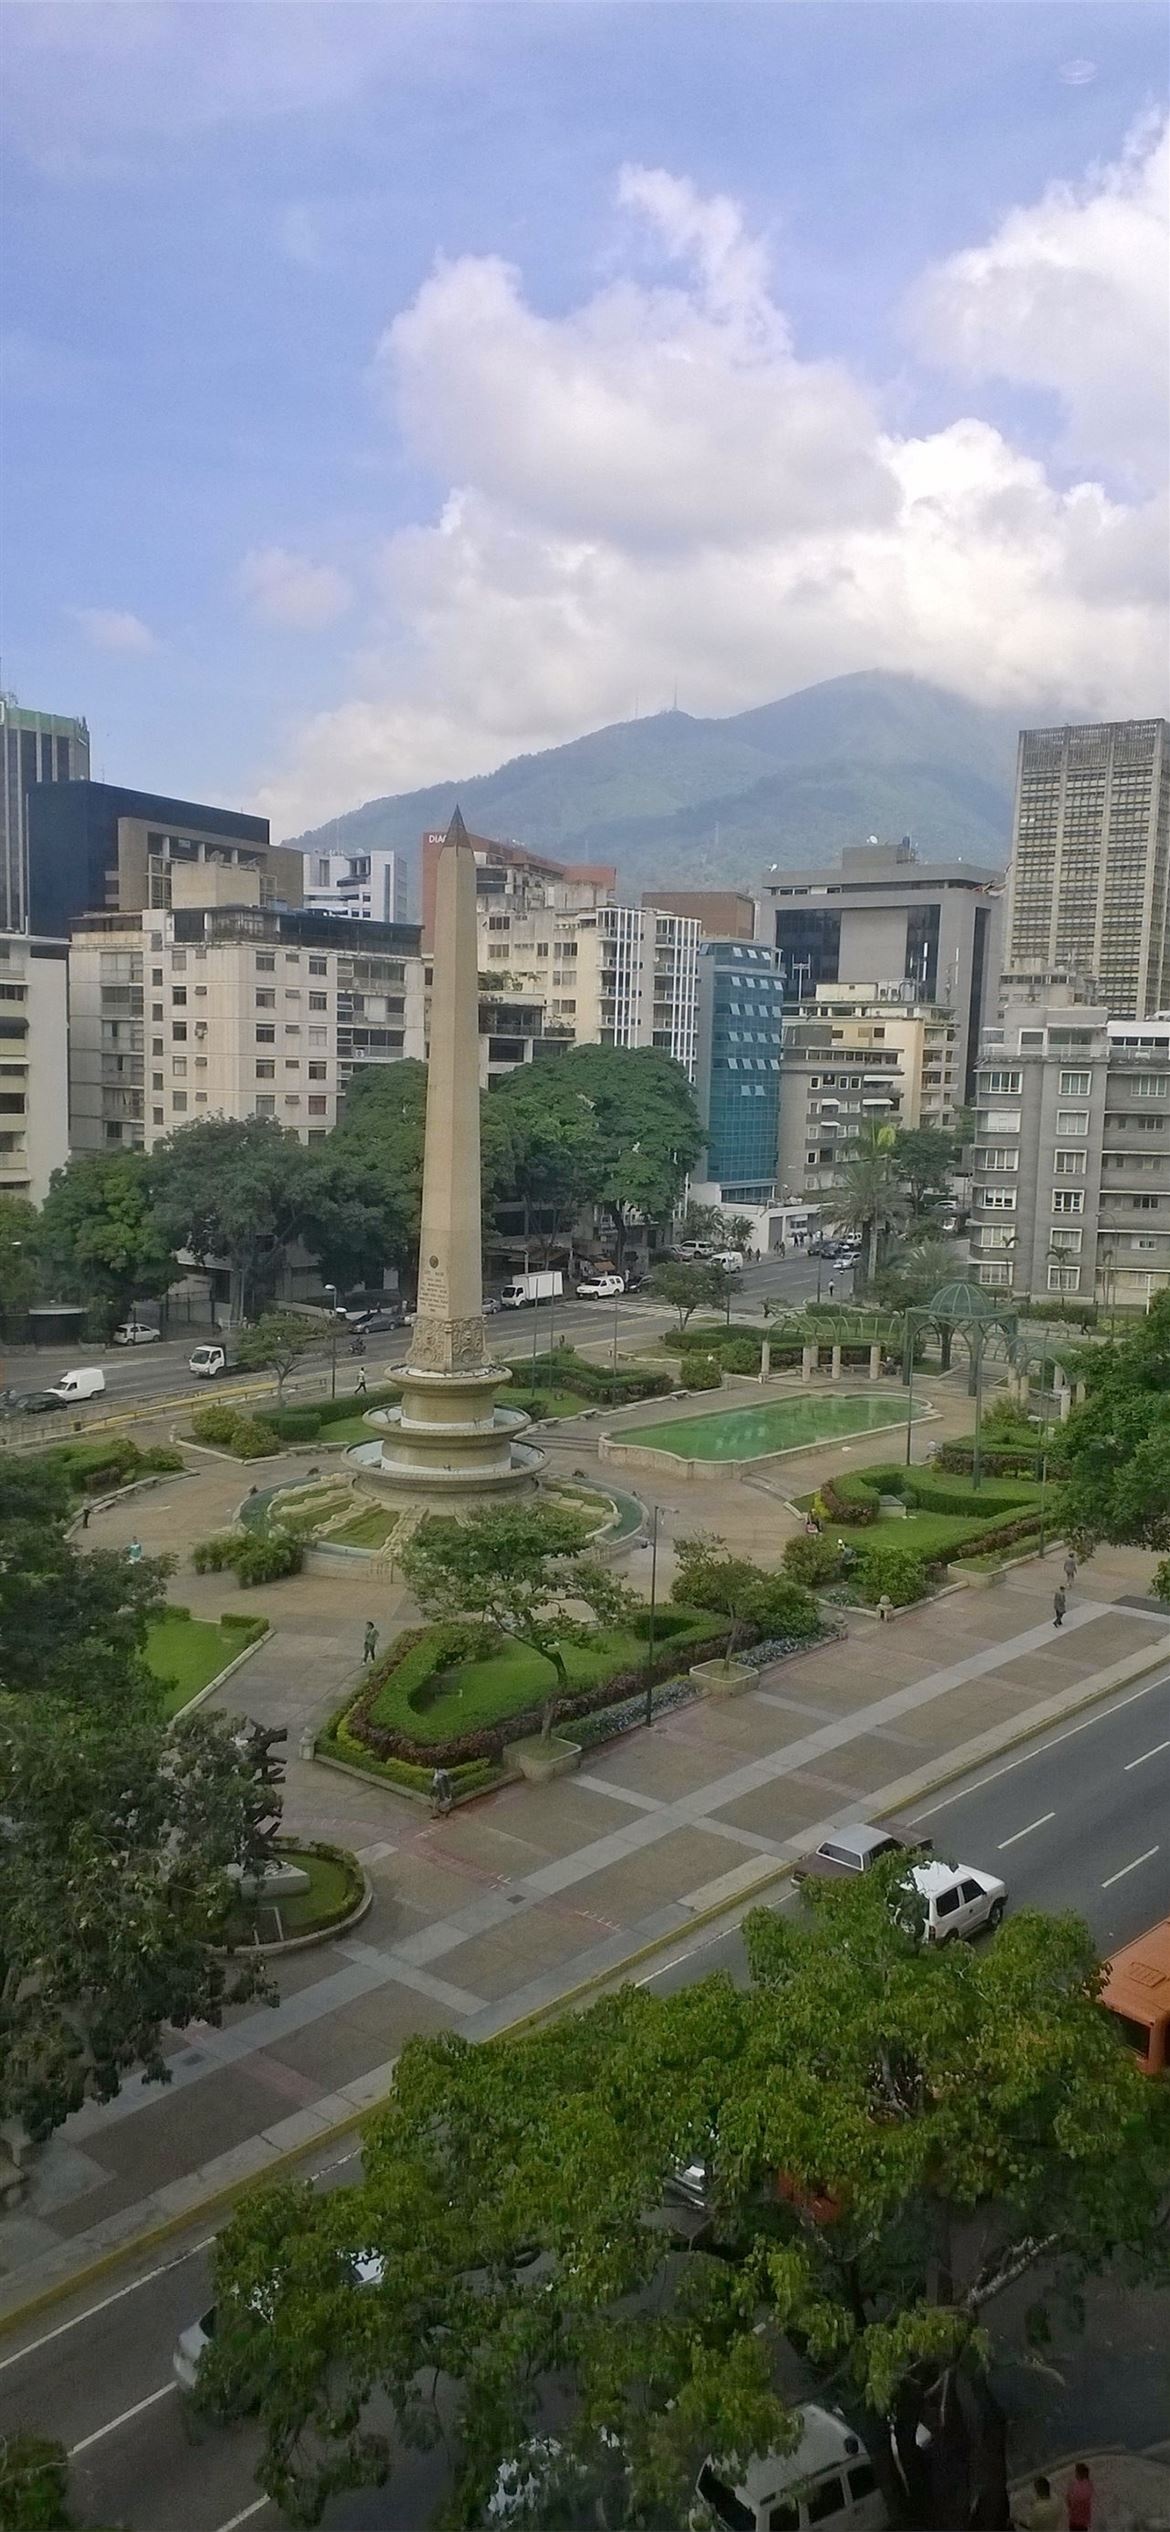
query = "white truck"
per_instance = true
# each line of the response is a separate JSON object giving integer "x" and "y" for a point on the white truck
{"x": 547, "y": 1285}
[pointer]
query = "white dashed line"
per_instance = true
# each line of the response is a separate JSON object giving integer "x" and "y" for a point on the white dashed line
{"x": 1129, "y": 1868}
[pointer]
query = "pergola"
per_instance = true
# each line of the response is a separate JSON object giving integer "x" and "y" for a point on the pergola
{"x": 971, "y": 1312}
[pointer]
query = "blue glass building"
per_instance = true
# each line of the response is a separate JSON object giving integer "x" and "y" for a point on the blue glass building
{"x": 740, "y": 1020}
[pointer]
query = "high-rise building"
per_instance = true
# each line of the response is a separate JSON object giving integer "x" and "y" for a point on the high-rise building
{"x": 722, "y": 914}
{"x": 1089, "y": 885}
{"x": 94, "y": 848}
{"x": 1071, "y": 1178}
{"x": 935, "y": 927}
{"x": 371, "y": 884}
{"x": 35, "y": 748}
{"x": 737, "y": 1075}
{"x": 609, "y": 975}
{"x": 34, "y": 1064}
{"x": 512, "y": 872}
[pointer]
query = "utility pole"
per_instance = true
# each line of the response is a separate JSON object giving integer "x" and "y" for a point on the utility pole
{"x": 653, "y": 1609}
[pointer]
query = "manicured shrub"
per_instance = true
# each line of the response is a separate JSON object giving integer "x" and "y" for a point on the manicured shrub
{"x": 162, "y": 1461}
{"x": 295, "y": 1424}
{"x": 246, "y": 1623}
{"x": 266, "y": 1557}
{"x": 217, "y": 1425}
{"x": 811, "y": 1561}
{"x": 697, "y": 1371}
{"x": 742, "y": 1355}
{"x": 892, "y": 1570}
{"x": 564, "y": 1369}
{"x": 852, "y": 1498}
{"x": 957, "y": 1459}
{"x": 712, "y": 1335}
{"x": 211, "y": 1556}
{"x": 254, "y": 1440}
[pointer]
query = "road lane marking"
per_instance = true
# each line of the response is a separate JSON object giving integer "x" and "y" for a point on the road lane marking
{"x": 256, "y": 2508}
{"x": 91, "y": 2310}
{"x": 112, "y": 2424}
{"x": 1156, "y": 1752}
{"x": 1014, "y": 1840}
{"x": 1129, "y": 1868}
{"x": 1041, "y": 1749}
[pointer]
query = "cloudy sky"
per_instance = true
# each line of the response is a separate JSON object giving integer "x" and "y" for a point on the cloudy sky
{"x": 394, "y": 389}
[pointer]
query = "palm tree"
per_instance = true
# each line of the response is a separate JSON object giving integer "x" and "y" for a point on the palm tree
{"x": 868, "y": 1197}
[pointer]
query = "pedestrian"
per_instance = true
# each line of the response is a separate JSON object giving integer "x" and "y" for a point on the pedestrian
{"x": 830, "y": 1290}
{"x": 1070, "y": 1569}
{"x": 360, "y": 1389}
{"x": 85, "y": 1513}
{"x": 885, "y": 1608}
{"x": 370, "y": 1644}
{"x": 1041, "y": 2511}
{"x": 1059, "y": 1604}
{"x": 442, "y": 1795}
{"x": 134, "y": 1551}
{"x": 1078, "y": 2499}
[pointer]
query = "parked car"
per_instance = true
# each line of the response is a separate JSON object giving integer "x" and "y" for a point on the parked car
{"x": 600, "y": 1287}
{"x": 854, "y": 1849}
{"x": 634, "y": 1282}
{"x": 960, "y": 1901}
{"x": 41, "y": 1402}
{"x": 132, "y": 1332}
{"x": 380, "y": 1322}
{"x": 829, "y": 2479}
{"x": 730, "y": 1260}
{"x": 191, "y": 2347}
{"x": 491, "y": 1305}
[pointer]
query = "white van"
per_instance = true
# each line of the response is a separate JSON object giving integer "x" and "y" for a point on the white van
{"x": 731, "y": 1261}
{"x": 80, "y": 1384}
{"x": 828, "y": 2480}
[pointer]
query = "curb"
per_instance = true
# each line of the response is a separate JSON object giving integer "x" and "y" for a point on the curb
{"x": 202, "y": 2208}
{"x": 201, "y": 1694}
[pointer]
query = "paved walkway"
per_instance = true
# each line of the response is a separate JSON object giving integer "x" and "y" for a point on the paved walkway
{"x": 495, "y": 1912}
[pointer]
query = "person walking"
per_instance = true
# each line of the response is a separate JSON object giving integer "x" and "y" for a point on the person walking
{"x": 1041, "y": 2510}
{"x": 134, "y": 1551}
{"x": 1059, "y": 1604}
{"x": 1078, "y": 2499}
{"x": 85, "y": 1513}
{"x": 360, "y": 1388}
{"x": 1070, "y": 1569}
{"x": 370, "y": 1643}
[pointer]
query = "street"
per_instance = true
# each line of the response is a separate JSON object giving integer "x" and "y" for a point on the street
{"x": 1074, "y": 1819}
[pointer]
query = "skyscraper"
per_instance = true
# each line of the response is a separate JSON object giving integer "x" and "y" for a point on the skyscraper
{"x": 1089, "y": 886}
{"x": 35, "y": 748}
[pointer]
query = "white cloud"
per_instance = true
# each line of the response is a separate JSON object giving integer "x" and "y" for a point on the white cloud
{"x": 114, "y": 629}
{"x": 1071, "y": 294}
{"x": 1078, "y": 73}
{"x": 654, "y": 488}
{"x": 290, "y": 591}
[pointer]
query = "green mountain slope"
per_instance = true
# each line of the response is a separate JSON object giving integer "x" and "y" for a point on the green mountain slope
{"x": 684, "y": 802}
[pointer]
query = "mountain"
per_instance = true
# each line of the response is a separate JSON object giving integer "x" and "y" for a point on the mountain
{"x": 691, "y": 803}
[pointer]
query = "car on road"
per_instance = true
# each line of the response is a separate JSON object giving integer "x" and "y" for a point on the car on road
{"x": 132, "y": 1332}
{"x": 634, "y": 1282}
{"x": 208, "y": 1361}
{"x": 380, "y": 1323}
{"x": 40, "y": 1402}
{"x": 854, "y": 1849}
{"x": 192, "y": 2344}
{"x": 600, "y": 1287}
{"x": 730, "y": 1260}
{"x": 959, "y": 1900}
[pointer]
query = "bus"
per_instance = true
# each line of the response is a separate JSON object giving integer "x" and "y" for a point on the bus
{"x": 1137, "y": 1992}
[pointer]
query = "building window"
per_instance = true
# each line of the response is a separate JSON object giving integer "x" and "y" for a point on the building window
{"x": 1152, "y": 1085}
{"x": 1144, "y": 1204}
{"x": 266, "y": 962}
{"x": 266, "y": 1001}
{"x": 1075, "y": 1085}
{"x": 158, "y": 1116}
{"x": 156, "y": 1081}
{"x": 1064, "y": 1279}
{"x": 156, "y": 975}
{"x": 266, "y": 1072}
{"x": 996, "y": 1156}
{"x": 989, "y": 1083}
{"x": 266, "y": 1037}
{"x": 179, "y": 1032}
{"x": 179, "y": 1068}
{"x": 996, "y": 1199}
{"x": 995, "y": 1274}
{"x": 318, "y": 1072}
{"x": 179, "y": 1100}
{"x": 1070, "y": 1240}
{"x": 318, "y": 1107}
{"x": 318, "y": 967}
{"x": 179, "y": 997}
{"x": 1070, "y": 1164}
{"x": 266, "y": 1106}
{"x": 1068, "y": 1200}
{"x": 318, "y": 1002}
{"x": 1072, "y": 1120}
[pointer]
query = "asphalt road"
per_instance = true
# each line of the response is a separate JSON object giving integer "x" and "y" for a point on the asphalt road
{"x": 136, "y": 1375}
{"x": 1079, "y": 1818}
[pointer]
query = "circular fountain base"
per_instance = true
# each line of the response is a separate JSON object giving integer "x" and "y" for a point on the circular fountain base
{"x": 448, "y": 1441}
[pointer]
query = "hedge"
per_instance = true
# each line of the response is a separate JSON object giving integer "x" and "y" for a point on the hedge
{"x": 697, "y": 1371}
{"x": 304, "y": 1423}
{"x": 958, "y": 1459}
{"x": 252, "y": 1557}
{"x": 811, "y": 1561}
{"x": 563, "y": 1369}
{"x": 928, "y": 1491}
{"x": 892, "y": 1570}
{"x": 384, "y": 1741}
{"x": 109, "y": 1460}
{"x": 713, "y": 1336}
{"x": 852, "y": 1499}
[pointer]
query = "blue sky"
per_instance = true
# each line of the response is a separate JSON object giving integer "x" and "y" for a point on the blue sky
{"x": 393, "y": 389}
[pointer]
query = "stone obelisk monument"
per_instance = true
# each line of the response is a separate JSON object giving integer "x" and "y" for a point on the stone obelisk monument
{"x": 448, "y": 1437}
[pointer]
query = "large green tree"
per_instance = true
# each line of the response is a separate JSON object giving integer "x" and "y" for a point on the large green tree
{"x": 648, "y": 1130}
{"x": 381, "y": 1134}
{"x": 924, "y": 1156}
{"x": 867, "y": 1197}
{"x": 524, "y": 1570}
{"x": 1115, "y": 1447}
{"x": 101, "y": 1237}
{"x": 555, "y": 1167}
{"x": 278, "y": 1342}
{"x": 19, "y": 1254}
{"x": 890, "y": 2134}
{"x": 72, "y": 1627}
{"x": 688, "y": 1286}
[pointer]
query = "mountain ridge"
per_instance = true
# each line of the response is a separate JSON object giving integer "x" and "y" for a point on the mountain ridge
{"x": 681, "y": 800}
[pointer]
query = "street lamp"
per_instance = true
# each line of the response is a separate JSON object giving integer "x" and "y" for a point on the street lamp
{"x": 653, "y": 1607}
{"x": 616, "y": 1299}
{"x": 331, "y": 1289}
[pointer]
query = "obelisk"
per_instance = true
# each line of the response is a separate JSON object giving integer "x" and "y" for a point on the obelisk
{"x": 449, "y": 1437}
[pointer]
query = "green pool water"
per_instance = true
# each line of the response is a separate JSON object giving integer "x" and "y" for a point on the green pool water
{"x": 752, "y": 1432}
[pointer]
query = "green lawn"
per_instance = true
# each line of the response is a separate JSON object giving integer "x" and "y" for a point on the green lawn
{"x": 939, "y": 1535}
{"x": 187, "y": 1652}
{"x": 479, "y": 1693}
{"x": 333, "y": 1889}
{"x": 348, "y": 1428}
{"x": 540, "y": 1402}
{"x": 371, "y": 1528}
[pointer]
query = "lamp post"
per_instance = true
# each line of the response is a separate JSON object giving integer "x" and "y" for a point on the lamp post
{"x": 653, "y": 1608}
{"x": 976, "y": 1448}
{"x": 331, "y": 1289}
{"x": 616, "y": 1299}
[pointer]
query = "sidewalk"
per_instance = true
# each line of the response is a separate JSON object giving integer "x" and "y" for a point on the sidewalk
{"x": 495, "y": 1913}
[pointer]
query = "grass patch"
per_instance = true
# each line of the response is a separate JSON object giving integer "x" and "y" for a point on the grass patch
{"x": 542, "y": 1402}
{"x": 473, "y": 1695}
{"x": 346, "y": 1428}
{"x": 187, "y": 1652}
{"x": 335, "y": 1886}
{"x": 370, "y": 1528}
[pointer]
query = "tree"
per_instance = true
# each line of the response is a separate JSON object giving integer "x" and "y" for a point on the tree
{"x": 523, "y": 1570}
{"x": 555, "y": 1148}
{"x": 867, "y": 1197}
{"x": 277, "y": 1342}
{"x": 740, "y": 1232}
{"x": 913, "y": 1273}
{"x": 72, "y": 1627}
{"x": 100, "y": 1236}
{"x": 890, "y": 2134}
{"x": 707, "y": 1576}
{"x": 688, "y": 1288}
{"x": 924, "y": 1157}
{"x": 381, "y": 1134}
{"x": 234, "y": 1188}
{"x": 1115, "y": 1447}
{"x": 648, "y": 1129}
{"x": 19, "y": 1254}
{"x": 705, "y": 1226}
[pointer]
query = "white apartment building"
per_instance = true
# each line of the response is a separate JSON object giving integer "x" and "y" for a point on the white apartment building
{"x": 369, "y": 885}
{"x": 1071, "y": 1181}
{"x": 34, "y": 1064}
{"x": 857, "y": 1055}
{"x": 608, "y": 975}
